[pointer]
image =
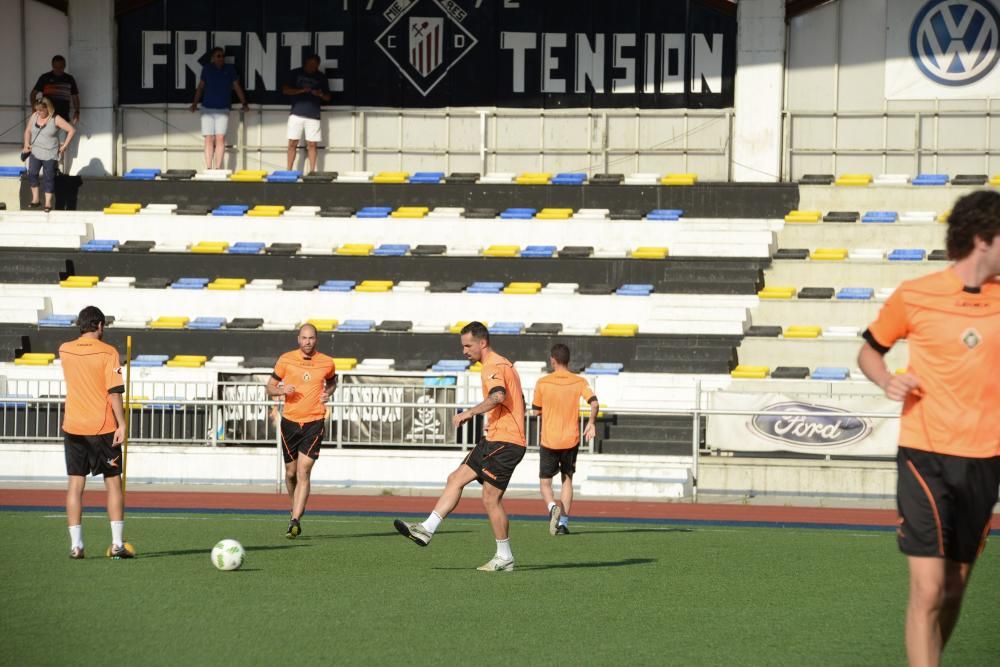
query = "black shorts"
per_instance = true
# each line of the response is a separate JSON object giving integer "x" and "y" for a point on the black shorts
{"x": 551, "y": 461}
{"x": 945, "y": 503}
{"x": 92, "y": 455}
{"x": 305, "y": 438}
{"x": 494, "y": 462}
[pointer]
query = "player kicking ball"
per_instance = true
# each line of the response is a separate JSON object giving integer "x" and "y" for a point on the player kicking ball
{"x": 493, "y": 460}
{"x": 306, "y": 379}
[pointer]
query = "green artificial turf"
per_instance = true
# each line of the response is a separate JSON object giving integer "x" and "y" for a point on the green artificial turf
{"x": 351, "y": 590}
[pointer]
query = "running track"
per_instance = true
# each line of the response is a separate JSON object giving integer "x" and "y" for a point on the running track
{"x": 646, "y": 512}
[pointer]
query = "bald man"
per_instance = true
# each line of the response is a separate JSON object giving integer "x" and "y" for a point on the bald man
{"x": 306, "y": 379}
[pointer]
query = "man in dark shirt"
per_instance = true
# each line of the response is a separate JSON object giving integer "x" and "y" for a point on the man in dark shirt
{"x": 308, "y": 88}
{"x": 60, "y": 88}
{"x": 215, "y": 89}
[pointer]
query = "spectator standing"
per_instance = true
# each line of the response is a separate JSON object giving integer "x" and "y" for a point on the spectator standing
{"x": 215, "y": 87}
{"x": 41, "y": 140}
{"x": 308, "y": 88}
{"x": 60, "y": 88}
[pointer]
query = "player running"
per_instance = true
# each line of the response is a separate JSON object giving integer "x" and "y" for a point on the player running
{"x": 307, "y": 379}
{"x": 93, "y": 427}
{"x": 493, "y": 460}
{"x": 949, "y": 442}
{"x": 557, "y": 399}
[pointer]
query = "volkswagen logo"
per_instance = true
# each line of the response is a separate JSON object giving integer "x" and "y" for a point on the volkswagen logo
{"x": 954, "y": 42}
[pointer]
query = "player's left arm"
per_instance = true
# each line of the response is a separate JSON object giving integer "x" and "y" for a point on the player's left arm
{"x": 329, "y": 384}
{"x": 115, "y": 388}
{"x": 496, "y": 396}
{"x": 590, "y": 431}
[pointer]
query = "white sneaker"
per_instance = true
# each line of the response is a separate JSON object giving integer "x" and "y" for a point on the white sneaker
{"x": 414, "y": 531}
{"x": 554, "y": 514}
{"x": 497, "y": 564}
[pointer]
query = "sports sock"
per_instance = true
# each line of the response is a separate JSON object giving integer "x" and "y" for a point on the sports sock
{"x": 503, "y": 549}
{"x": 432, "y": 522}
{"x": 564, "y": 520}
{"x": 117, "y": 528}
{"x": 76, "y": 536}
{"x": 551, "y": 505}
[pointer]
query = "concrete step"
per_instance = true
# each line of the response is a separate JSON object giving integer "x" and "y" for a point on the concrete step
{"x": 863, "y": 235}
{"x": 819, "y": 312}
{"x": 812, "y": 352}
{"x": 655, "y": 476}
{"x": 847, "y": 273}
{"x": 880, "y": 198}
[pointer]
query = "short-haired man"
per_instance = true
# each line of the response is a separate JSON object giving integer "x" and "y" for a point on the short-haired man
{"x": 949, "y": 442}
{"x": 93, "y": 427}
{"x": 309, "y": 89}
{"x": 60, "y": 88}
{"x": 493, "y": 460}
{"x": 306, "y": 379}
{"x": 557, "y": 399}
{"x": 215, "y": 88}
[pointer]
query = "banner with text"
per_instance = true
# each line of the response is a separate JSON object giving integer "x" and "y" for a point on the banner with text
{"x": 820, "y": 426}
{"x": 440, "y": 53}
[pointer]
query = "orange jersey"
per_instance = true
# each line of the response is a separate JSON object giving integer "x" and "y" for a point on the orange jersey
{"x": 93, "y": 371}
{"x": 558, "y": 396}
{"x": 309, "y": 377}
{"x": 505, "y": 421}
{"x": 954, "y": 341}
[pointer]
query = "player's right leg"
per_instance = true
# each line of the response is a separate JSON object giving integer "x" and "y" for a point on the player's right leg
{"x": 290, "y": 437}
{"x": 77, "y": 469}
{"x": 421, "y": 533}
{"x": 548, "y": 465}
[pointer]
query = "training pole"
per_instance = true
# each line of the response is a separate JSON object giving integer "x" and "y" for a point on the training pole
{"x": 127, "y": 410}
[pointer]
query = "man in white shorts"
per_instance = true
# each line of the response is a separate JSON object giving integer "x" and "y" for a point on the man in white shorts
{"x": 308, "y": 88}
{"x": 216, "y": 85}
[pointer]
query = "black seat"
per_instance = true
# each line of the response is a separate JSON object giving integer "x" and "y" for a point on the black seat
{"x": 576, "y": 251}
{"x": 607, "y": 179}
{"x": 137, "y": 246}
{"x": 283, "y": 248}
{"x": 816, "y": 179}
{"x": 446, "y": 286}
{"x": 544, "y": 328}
{"x": 151, "y": 283}
{"x": 299, "y": 285}
{"x": 816, "y": 293}
{"x": 481, "y": 213}
{"x": 245, "y": 323}
{"x": 841, "y": 216}
{"x": 177, "y": 174}
{"x": 790, "y": 373}
{"x": 764, "y": 331}
{"x": 412, "y": 365}
{"x": 595, "y": 288}
{"x": 423, "y": 250}
{"x": 319, "y": 177}
{"x": 336, "y": 212}
{"x": 938, "y": 256}
{"x": 969, "y": 179}
{"x": 398, "y": 326}
{"x": 192, "y": 209}
{"x": 462, "y": 177}
{"x": 626, "y": 214}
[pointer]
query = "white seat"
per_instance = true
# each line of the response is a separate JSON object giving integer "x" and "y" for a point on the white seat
{"x": 429, "y": 327}
{"x": 376, "y": 364}
{"x": 169, "y": 247}
{"x": 354, "y": 177}
{"x": 866, "y": 254}
{"x": 302, "y": 210}
{"x": 840, "y": 332}
{"x": 856, "y": 374}
{"x": 223, "y": 361}
{"x": 263, "y": 284}
{"x": 580, "y": 330}
{"x": 213, "y": 175}
{"x": 411, "y": 286}
{"x": 530, "y": 366}
{"x": 498, "y": 177}
{"x": 463, "y": 251}
{"x": 591, "y": 214}
{"x": 883, "y": 293}
{"x": 446, "y": 212}
{"x": 560, "y": 288}
{"x": 891, "y": 179}
{"x": 128, "y": 324}
{"x": 279, "y": 326}
{"x": 612, "y": 253}
{"x": 317, "y": 250}
{"x": 918, "y": 216}
{"x": 642, "y": 179}
{"x": 117, "y": 281}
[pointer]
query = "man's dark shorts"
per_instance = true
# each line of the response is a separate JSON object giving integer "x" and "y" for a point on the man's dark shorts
{"x": 945, "y": 503}
{"x": 494, "y": 462}
{"x": 92, "y": 455}
{"x": 552, "y": 461}
{"x": 305, "y": 438}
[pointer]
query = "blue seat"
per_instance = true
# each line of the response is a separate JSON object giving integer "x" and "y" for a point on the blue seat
{"x": 856, "y": 293}
{"x": 356, "y": 325}
{"x": 484, "y": 288}
{"x": 518, "y": 214}
{"x": 392, "y": 250}
{"x": 427, "y": 177}
{"x": 337, "y": 286}
{"x": 14, "y": 400}
{"x": 150, "y": 360}
{"x": 879, "y": 216}
{"x": 509, "y": 328}
{"x": 604, "y": 368}
{"x": 830, "y": 373}
{"x": 141, "y": 174}
{"x": 246, "y": 248}
{"x": 569, "y": 179}
{"x": 634, "y": 289}
{"x": 669, "y": 214}
{"x": 284, "y": 176}
{"x": 164, "y": 403}
{"x": 207, "y": 323}
{"x": 931, "y": 179}
{"x": 12, "y": 172}
{"x": 190, "y": 283}
{"x": 450, "y": 365}
{"x": 55, "y": 320}
{"x": 907, "y": 255}
{"x": 440, "y": 381}
{"x": 538, "y": 251}
{"x": 231, "y": 210}
{"x": 374, "y": 212}
{"x": 99, "y": 245}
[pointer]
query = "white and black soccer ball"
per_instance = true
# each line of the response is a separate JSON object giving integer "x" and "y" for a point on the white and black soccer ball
{"x": 228, "y": 555}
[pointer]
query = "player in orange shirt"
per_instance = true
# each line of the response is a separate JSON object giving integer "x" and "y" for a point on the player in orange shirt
{"x": 306, "y": 379}
{"x": 557, "y": 399}
{"x": 949, "y": 443}
{"x": 494, "y": 458}
{"x": 93, "y": 427}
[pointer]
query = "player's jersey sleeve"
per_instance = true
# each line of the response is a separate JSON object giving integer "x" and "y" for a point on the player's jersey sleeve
{"x": 280, "y": 369}
{"x": 537, "y": 397}
{"x": 113, "y": 381}
{"x": 333, "y": 371}
{"x": 891, "y": 324}
{"x": 586, "y": 393}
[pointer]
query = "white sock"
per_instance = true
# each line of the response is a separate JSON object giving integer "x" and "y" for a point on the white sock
{"x": 432, "y": 522}
{"x": 564, "y": 520}
{"x": 76, "y": 536}
{"x": 117, "y": 528}
{"x": 503, "y": 549}
{"x": 551, "y": 505}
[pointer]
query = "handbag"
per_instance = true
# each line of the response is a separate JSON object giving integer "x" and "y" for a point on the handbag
{"x": 27, "y": 153}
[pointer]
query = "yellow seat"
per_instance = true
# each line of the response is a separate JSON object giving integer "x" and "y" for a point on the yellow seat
{"x": 620, "y": 330}
{"x": 410, "y": 212}
{"x": 169, "y": 322}
{"x": 475, "y": 368}
{"x": 798, "y": 216}
{"x": 391, "y": 177}
{"x": 746, "y": 372}
{"x": 776, "y": 293}
{"x": 229, "y": 284}
{"x": 994, "y": 179}
{"x": 79, "y": 281}
{"x": 374, "y": 286}
{"x": 355, "y": 249}
{"x": 853, "y": 179}
{"x": 534, "y": 178}
{"x": 35, "y": 359}
{"x": 187, "y": 361}
{"x": 210, "y": 247}
{"x": 585, "y": 412}
{"x": 502, "y": 251}
{"x": 829, "y": 254}
{"x": 120, "y": 208}
{"x": 345, "y": 363}
{"x": 249, "y": 175}
{"x": 944, "y": 216}
{"x": 522, "y": 288}
{"x": 679, "y": 179}
{"x": 458, "y": 326}
{"x": 800, "y": 331}
{"x": 268, "y": 211}
{"x": 191, "y": 357}
{"x": 554, "y": 214}
{"x": 323, "y": 325}
{"x": 649, "y": 252}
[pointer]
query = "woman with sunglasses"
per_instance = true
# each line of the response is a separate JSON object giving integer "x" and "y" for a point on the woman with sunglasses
{"x": 41, "y": 140}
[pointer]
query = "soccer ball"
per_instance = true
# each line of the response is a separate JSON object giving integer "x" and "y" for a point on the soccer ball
{"x": 127, "y": 545}
{"x": 228, "y": 555}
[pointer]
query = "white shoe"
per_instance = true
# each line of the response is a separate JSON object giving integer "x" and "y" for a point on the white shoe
{"x": 414, "y": 531}
{"x": 497, "y": 564}
{"x": 554, "y": 514}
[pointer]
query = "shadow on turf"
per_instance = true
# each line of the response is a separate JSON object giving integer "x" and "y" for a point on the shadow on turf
{"x": 629, "y": 530}
{"x": 189, "y": 552}
{"x": 347, "y": 536}
{"x": 574, "y": 566}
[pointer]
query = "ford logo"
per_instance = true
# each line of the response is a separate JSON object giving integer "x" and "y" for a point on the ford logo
{"x": 818, "y": 426}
